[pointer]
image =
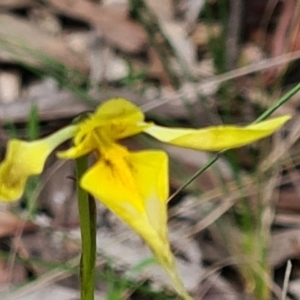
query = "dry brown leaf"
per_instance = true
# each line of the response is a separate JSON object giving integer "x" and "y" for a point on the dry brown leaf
{"x": 285, "y": 245}
{"x": 9, "y": 4}
{"x": 289, "y": 201}
{"x": 287, "y": 219}
{"x": 156, "y": 68}
{"x": 58, "y": 195}
{"x": 283, "y": 39}
{"x": 22, "y": 40}
{"x": 9, "y": 224}
{"x": 15, "y": 275}
{"x": 112, "y": 20}
{"x": 3, "y": 273}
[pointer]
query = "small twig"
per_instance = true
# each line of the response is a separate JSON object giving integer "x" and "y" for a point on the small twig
{"x": 287, "y": 275}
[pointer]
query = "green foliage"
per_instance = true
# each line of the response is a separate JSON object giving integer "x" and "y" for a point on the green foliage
{"x": 218, "y": 12}
{"x": 133, "y": 78}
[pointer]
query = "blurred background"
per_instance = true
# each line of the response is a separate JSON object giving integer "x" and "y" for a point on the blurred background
{"x": 235, "y": 230}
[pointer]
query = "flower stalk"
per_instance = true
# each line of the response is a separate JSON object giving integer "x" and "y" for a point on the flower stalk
{"x": 87, "y": 216}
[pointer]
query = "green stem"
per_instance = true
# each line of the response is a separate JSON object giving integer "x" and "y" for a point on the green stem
{"x": 280, "y": 102}
{"x": 87, "y": 216}
{"x": 195, "y": 175}
{"x": 262, "y": 117}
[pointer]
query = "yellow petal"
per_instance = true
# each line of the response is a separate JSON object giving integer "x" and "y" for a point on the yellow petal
{"x": 87, "y": 145}
{"x": 24, "y": 159}
{"x": 114, "y": 181}
{"x": 121, "y": 118}
{"x": 113, "y": 120}
{"x": 118, "y": 117}
{"x": 150, "y": 171}
{"x": 119, "y": 109}
{"x": 125, "y": 181}
{"x": 216, "y": 138}
{"x": 134, "y": 186}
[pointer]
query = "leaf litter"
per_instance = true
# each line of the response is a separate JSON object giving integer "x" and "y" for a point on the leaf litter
{"x": 103, "y": 41}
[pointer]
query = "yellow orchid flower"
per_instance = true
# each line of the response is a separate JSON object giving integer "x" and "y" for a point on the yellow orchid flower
{"x": 133, "y": 185}
{"x": 24, "y": 159}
